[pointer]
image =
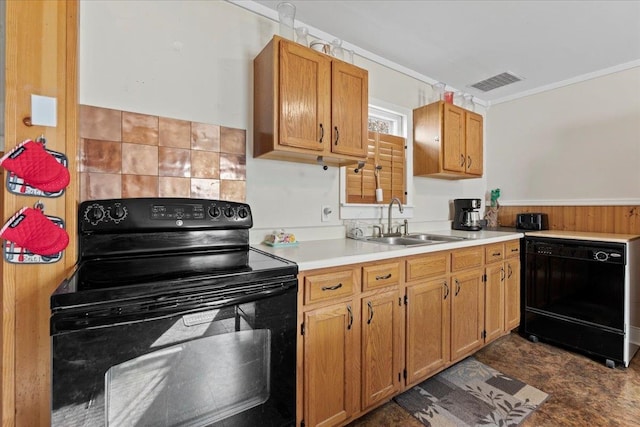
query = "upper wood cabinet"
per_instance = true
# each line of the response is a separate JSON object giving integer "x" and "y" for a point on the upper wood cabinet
{"x": 308, "y": 107}
{"x": 447, "y": 142}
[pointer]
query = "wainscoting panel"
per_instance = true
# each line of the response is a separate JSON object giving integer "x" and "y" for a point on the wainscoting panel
{"x": 598, "y": 219}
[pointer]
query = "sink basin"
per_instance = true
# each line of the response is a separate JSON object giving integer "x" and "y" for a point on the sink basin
{"x": 414, "y": 239}
{"x": 435, "y": 237}
{"x": 399, "y": 240}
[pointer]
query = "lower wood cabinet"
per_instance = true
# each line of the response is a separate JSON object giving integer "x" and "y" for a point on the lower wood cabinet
{"x": 467, "y": 313}
{"x": 512, "y": 294}
{"x": 370, "y": 331}
{"x": 330, "y": 362}
{"x": 494, "y": 301}
{"x": 381, "y": 347}
{"x": 428, "y": 332}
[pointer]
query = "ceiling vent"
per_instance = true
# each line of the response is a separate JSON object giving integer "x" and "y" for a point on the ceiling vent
{"x": 496, "y": 81}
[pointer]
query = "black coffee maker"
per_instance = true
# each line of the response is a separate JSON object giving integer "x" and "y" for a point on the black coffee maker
{"x": 466, "y": 215}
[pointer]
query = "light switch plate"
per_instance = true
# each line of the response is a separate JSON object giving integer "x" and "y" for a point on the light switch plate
{"x": 43, "y": 111}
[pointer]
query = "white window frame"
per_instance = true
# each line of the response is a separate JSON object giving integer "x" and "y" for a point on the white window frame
{"x": 375, "y": 211}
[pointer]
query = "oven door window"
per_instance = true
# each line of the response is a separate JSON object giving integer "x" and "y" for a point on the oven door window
{"x": 229, "y": 366}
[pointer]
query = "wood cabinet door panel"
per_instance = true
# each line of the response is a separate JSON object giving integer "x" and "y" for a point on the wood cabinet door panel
{"x": 329, "y": 347}
{"x": 494, "y": 302}
{"x": 467, "y": 313}
{"x": 381, "y": 342}
{"x": 474, "y": 149}
{"x": 349, "y": 109}
{"x": 454, "y": 139}
{"x": 512, "y": 294}
{"x": 427, "y": 328}
{"x": 305, "y": 105}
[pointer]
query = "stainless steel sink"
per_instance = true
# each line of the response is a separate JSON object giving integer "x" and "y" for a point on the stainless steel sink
{"x": 435, "y": 237}
{"x": 417, "y": 239}
{"x": 399, "y": 240}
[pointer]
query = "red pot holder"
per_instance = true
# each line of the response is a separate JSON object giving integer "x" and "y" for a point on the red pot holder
{"x": 32, "y": 230}
{"x": 38, "y": 168}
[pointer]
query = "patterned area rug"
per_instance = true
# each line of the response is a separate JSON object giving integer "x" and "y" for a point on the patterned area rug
{"x": 471, "y": 393}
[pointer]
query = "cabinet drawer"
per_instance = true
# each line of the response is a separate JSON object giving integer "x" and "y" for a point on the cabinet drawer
{"x": 377, "y": 276}
{"x": 467, "y": 258}
{"x": 326, "y": 286}
{"x": 512, "y": 248}
{"x": 423, "y": 266}
{"x": 494, "y": 252}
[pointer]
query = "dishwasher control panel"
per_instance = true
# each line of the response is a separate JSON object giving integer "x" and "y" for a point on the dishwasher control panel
{"x": 577, "y": 249}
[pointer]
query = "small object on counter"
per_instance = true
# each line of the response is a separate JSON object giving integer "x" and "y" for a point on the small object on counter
{"x": 279, "y": 239}
{"x": 495, "y": 195}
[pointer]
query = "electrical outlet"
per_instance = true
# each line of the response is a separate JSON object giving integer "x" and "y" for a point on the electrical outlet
{"x": 326, "y": 213}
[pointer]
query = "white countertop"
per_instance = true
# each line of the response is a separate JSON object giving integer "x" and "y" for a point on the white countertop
{"x": 314, "y": 254}
{"x": 582, "y": 235}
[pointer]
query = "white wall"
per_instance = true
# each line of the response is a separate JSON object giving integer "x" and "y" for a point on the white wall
{"x": 579, "y": 144}
{"x": 192, "y": 60}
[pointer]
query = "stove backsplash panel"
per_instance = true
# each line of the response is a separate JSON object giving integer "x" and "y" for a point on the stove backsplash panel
{"x": 125, "y": 154}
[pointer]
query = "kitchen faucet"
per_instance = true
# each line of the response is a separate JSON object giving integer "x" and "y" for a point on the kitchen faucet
{"x": 400, "y": 208}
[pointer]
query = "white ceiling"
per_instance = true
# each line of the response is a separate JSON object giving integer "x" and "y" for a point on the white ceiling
{"x": 548, "y": 43}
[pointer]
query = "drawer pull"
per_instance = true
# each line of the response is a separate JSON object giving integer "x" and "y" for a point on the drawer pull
{"x": 332, "y": 288}
{"x": 510, "y": 271}
{"x": 496, "y": 254}
{"x": 446, "y": 290}
{"x": 388, "y": 276}
{"x": 515, "y": 250}
{"x": 321, "y": 133}
{"x": 502, "y": 274}
{"x": 370, "y": 313}
{"x": 350, "y": 317}
{"x": 457, "y": 287}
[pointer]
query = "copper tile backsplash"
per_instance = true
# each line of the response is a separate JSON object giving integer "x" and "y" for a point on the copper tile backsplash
{"x": 126, "y": 154}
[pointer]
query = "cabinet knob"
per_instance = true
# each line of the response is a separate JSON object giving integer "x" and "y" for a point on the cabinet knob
{"x": 321, "y": 133}
{"x": 468, "y": 161}
{"x": 337, "y": 135}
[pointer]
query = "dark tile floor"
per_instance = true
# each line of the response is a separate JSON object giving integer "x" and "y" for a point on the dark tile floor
{"x": 582, "y": 391}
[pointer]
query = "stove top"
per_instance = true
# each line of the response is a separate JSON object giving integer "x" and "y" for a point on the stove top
{"x": 163, "y": 249}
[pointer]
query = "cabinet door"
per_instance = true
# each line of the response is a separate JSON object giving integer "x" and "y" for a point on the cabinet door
{"x": 512, "y": 294}
{"x": 381, "y": 347}
{"x": 473, "y": 139}
{"x": 467, "y": 313}
{"x": 494, "y": 302}
{"x": 453, "y": 146}
{"x": 330, "y": 357}
{"x": 428, "y": 328}
{"x": 349, "y": 109}
{"x": 305, "y": 102}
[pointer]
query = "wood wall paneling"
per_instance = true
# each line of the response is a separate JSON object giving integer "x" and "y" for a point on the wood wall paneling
{"x": 41, "y": 58}
{"x": 598, "y": 219}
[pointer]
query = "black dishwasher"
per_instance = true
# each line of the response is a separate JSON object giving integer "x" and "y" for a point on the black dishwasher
{"x": 576, "y": 295}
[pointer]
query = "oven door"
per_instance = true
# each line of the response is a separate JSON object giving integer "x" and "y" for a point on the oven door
{"x": 226, "y": 363}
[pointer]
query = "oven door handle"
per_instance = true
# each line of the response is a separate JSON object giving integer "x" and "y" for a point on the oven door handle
{"x": 109, "y": 316}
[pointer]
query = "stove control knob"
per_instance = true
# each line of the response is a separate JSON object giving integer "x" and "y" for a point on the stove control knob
{"x": 214, "y": 211}
{"x": 118, "y": 213}
{"x": 243, "y": 213}
{"x": 228, "y": 212}
{"x": 601, "y": 256}
{"x": 94, "y": 214}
